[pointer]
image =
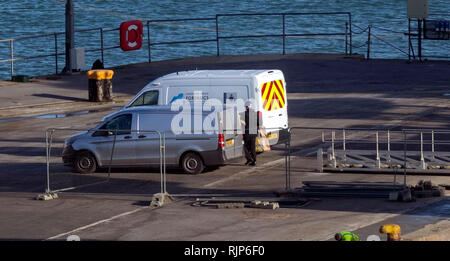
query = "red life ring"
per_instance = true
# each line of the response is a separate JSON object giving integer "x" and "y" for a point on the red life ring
{"x": 131, "y": 34}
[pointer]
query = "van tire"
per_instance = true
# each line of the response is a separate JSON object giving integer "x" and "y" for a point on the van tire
{"x": 85, "y": 162}
{"x": 192, "y": 163}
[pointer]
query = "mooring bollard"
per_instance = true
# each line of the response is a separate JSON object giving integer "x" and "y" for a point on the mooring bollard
{"x": 100, "y": 85}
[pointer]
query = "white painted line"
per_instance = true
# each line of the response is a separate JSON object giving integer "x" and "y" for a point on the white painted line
{"x": 244, "y": 173}
{"x": 97, "y": 223}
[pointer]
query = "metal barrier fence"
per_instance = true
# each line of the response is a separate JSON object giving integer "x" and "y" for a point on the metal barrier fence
{"x": 423, "y": 151}
{"x": 88, "y": 180}
{"x": 60, "y": 177}
{"x": 358, "y": 150}
{"x": 346, "y": 33}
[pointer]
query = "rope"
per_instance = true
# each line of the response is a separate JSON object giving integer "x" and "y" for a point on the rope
{"x": 360, "y": 32}
{"x": 393, "y": 46}
{"x": 364, "y": 44}
{"x": 387, "y": 30}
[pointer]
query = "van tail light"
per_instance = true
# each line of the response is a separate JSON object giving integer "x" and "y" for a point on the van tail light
{"x": 260, "y": 119}
{"x": 221, "y": 141}
{"x": 260, "y": 114}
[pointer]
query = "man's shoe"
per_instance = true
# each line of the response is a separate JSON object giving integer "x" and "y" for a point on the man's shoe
{"x": 248, "y": 162}
{"x": 252, "y": 163}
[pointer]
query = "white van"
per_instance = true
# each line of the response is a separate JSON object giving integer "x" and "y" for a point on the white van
{"x": 132, "y": 133}
{"x": 267, "y": 88}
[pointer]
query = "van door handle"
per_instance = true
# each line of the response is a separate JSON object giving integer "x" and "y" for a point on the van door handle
{"x": 127, "y": 137}
{"x": 141, "y": 136}
{"x": 281, "y": 114}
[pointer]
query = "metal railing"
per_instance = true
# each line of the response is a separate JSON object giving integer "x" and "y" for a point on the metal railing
{"x": 346, "y": 33}
{"x": 283, "y": 35}
{"x": 417, "y": 32}
{"x": 371, "y": 36}
{"x": 380, "y": 150}
{"x": 55, "y": 52}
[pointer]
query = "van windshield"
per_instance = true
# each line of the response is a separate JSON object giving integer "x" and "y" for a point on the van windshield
{"x": 147, "y": 98}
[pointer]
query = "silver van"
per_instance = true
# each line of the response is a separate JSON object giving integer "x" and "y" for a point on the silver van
{"x": 132, "y": 132}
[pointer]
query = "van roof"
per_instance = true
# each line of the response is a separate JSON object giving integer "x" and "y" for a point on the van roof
{"x": 218, "y": 74}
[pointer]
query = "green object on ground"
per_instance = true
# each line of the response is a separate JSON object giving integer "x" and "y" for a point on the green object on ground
{"x": 348, "y": 236}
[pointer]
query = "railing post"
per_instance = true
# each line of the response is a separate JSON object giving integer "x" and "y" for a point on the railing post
{"x": 378, "y": 164}
{"x": 388, "y": 146}
{"x": 320, "y": 160}
{"x": 405, "y": 146}
{"x": 409, "y": 39}
{"x": 164, "y": 162}
{"x": 368, "y": 44}
{"x": 419, "y": 38}
{"x": 11, "y": 50}
{"x": 432, "y": 144}
{"x": 47, "y": 158}
{"x": 217, "y": 35}
{"x": 286, "y": 161}
{"x": 101, "y": 44}
{"x": 350, "y": 25}
{"x": 56, "y": 53}
{"x": 288, "y": 185}
{"x": 343, "y": 145}
{"x": 284, "y": 34}
{"x": 346, "y": 38}
{"x": 112, "y": 154}
{"x": 148, "y": 42}
{"x": 422, "y": 158}
{"x": 161, "y": 167}
{"x": 333, "y": 155}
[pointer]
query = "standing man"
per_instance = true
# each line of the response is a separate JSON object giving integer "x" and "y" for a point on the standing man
{"x": 250, "y": 134}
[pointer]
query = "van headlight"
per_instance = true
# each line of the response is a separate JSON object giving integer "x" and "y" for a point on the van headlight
{"x": 68, "y": 142}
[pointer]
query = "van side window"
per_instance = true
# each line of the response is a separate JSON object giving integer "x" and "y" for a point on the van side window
{"x": 147, "y": 98}
{"x": 122, "y": 123}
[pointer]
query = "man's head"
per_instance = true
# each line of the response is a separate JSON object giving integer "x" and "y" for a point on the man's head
{"x": 248, "y": 104}
{"x": 338, "y": 237}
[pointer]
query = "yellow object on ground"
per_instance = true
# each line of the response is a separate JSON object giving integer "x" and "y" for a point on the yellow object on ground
{"x": 393, "y": 232}
{"x": 100, "y": 74}
{"x": 262, "y": 143}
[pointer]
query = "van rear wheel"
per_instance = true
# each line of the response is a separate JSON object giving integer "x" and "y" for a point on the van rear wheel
{"x": 85, "y": 162}
{"x": 192, "y": 163}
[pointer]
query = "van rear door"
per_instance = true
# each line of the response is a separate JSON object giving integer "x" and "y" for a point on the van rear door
{"x": 232, "y": 132}
{"x": 273, "y": 101}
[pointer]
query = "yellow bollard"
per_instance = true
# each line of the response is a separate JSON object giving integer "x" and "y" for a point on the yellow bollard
{"x": 100, "y": 85}
{"x": 393, "y": 232}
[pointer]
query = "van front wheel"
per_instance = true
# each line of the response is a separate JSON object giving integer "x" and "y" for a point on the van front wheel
{"x": 85, "y": 162}
{"x": 191, "y": 163}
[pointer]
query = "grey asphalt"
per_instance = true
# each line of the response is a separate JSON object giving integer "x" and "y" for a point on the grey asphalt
{"x": 323, "y": 91}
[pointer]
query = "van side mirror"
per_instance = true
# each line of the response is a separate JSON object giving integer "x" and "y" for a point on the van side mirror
{"x": 103, "y": 133}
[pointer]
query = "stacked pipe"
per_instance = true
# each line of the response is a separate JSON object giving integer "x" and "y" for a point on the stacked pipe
{"x": 336, "y": 189}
